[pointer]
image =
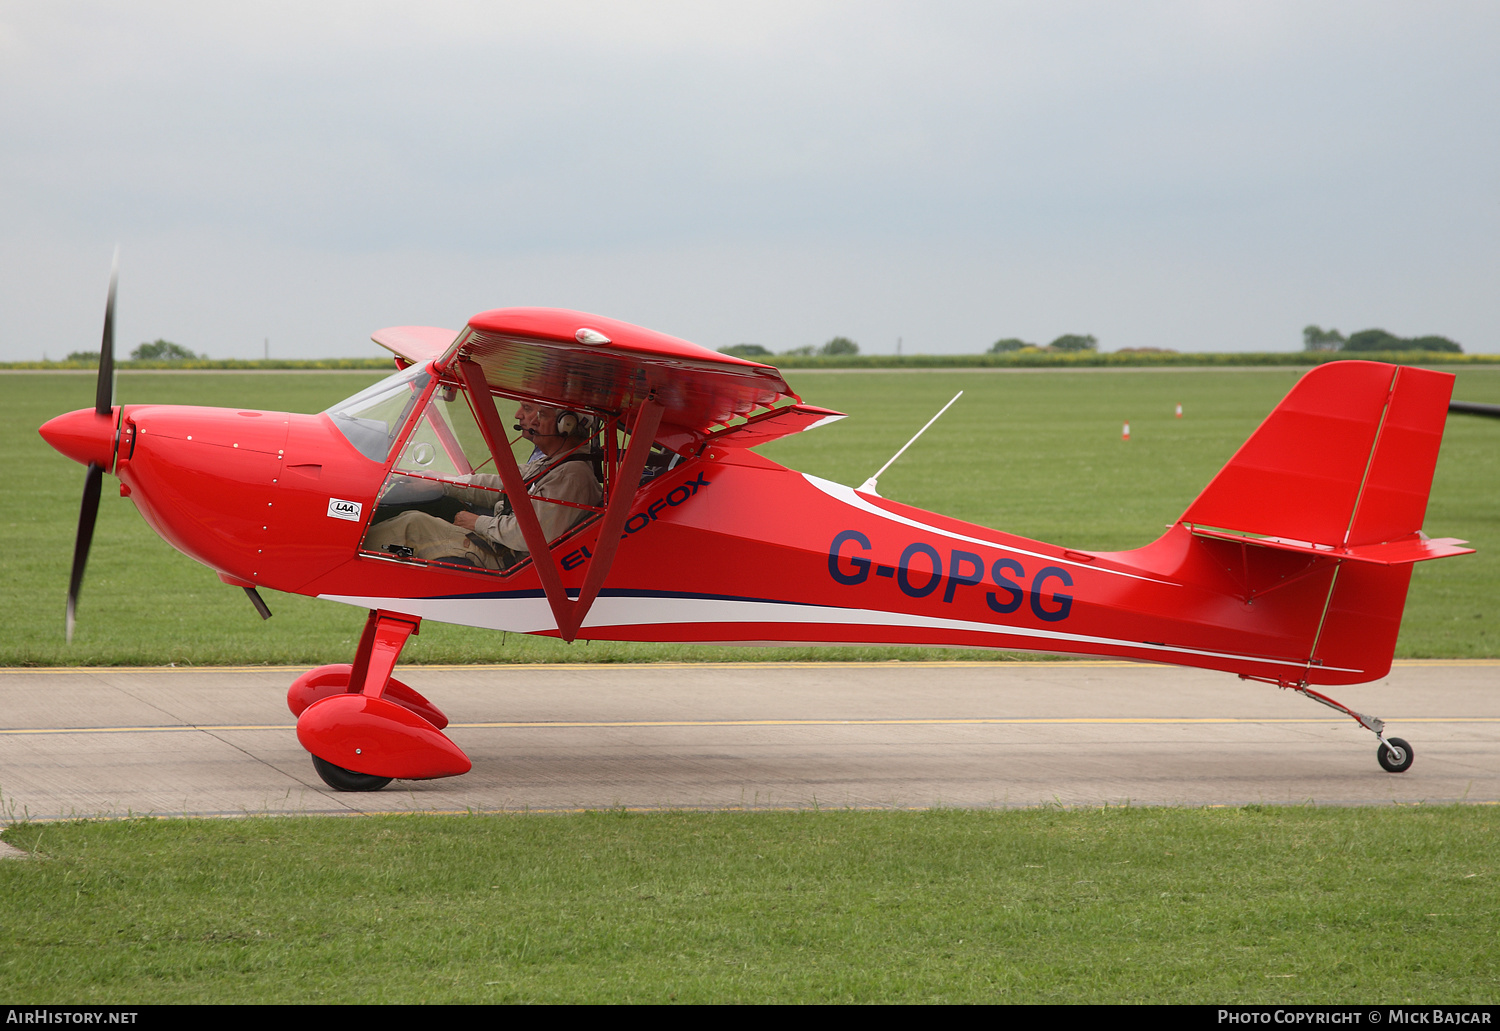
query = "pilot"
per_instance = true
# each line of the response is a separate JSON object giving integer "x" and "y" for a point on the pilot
{"x": 495, "y": 541}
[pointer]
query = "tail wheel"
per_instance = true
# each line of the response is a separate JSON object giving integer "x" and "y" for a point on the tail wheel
{"x": 1395, "y": 755}
{"x": 341, "y": 779}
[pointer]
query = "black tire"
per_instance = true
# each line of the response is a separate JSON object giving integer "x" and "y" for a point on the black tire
{"x": 1398, "y": 763}
{"x": 341, "y": 779}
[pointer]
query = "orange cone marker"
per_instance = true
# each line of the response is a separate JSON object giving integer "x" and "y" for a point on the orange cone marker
{"x": 1125, "y": 433}
{"x": 1179, "y": 411}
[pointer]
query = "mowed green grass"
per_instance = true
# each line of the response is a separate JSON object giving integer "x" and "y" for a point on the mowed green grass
{"x": 1115, "y": 905}
{"x": 1255, "y": 905}
{"x": 1036, "y": 453}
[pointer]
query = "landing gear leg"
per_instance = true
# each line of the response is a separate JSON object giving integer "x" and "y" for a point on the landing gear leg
{"x": 1394, "y": 754}
{"x": 365, "y": 728}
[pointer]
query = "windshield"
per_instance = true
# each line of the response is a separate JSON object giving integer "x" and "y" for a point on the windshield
{"x": 372, "y": 418}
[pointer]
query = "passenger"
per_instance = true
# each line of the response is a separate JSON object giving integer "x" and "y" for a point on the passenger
{"x": 495, "y": 541}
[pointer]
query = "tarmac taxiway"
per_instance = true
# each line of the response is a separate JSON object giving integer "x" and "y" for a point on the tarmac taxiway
{"x": 81, "y": 742}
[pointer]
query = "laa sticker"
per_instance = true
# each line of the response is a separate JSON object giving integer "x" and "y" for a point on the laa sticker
{"x": 343, "y": 509}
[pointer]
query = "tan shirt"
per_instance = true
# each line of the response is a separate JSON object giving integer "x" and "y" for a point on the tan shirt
{"x": 569, "y": 481}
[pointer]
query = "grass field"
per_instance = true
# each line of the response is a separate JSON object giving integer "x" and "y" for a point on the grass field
{"x": 1117, "y": 905}
{"x": 1037, "y": 453}
{"x": 1251, "y": 905}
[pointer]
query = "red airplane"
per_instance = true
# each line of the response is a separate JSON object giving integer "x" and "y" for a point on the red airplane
{"x": 1290, "y": 568}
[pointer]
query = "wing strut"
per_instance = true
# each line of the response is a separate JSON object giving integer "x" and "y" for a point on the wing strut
{"x": 568, "y": 613}
{"x": 622, "y": 493}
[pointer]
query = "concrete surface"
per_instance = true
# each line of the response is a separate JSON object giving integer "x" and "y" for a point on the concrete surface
{"x": 118, "y": 741}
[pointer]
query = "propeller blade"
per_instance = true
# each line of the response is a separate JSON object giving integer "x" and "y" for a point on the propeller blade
{"x": 93, "y": 481}
{"x": 104, "y": 391}
{"x": 87, "y": 514}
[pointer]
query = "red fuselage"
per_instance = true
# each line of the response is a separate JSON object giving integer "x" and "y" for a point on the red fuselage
{"x": 729, "y": 546}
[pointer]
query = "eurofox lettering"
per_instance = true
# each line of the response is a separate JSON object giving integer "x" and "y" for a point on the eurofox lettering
{"x": 674, "y": 497}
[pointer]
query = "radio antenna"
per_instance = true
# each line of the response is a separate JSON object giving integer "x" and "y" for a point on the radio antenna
{"x": 868, "y": 487}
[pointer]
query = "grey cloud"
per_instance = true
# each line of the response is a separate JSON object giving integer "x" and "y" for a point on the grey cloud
{"x": 1300, "y": 158}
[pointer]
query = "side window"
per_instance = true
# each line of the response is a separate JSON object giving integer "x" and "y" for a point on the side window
{"x": 446, "y": 442}
{"x": 443, "y": 504}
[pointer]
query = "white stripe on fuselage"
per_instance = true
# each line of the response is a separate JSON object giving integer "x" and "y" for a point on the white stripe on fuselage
{"x": 852, "y": 498}
{"x": 534, "y": 615}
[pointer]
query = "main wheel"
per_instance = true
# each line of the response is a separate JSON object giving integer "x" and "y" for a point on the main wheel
{"x": 341, "y": 779}
{"x": 1397, "y": 758}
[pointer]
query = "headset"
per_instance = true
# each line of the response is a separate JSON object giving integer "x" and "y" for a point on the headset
{"x": 570, "y": 424}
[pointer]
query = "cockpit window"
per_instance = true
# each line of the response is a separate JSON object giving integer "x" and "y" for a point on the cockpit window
{"x": 446, "y": 442}
{"x": 443, "y": 501}
{"x": 372, "y": 419}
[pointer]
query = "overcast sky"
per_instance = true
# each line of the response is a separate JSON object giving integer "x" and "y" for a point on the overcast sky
{"x": 1200, "y": 176}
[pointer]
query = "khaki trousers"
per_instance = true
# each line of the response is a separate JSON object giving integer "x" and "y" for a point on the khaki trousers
{"x": 433, "y": 539}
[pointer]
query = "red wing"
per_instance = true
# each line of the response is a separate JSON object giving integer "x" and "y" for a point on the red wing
{"x": 414, "y": 344}
{"x": 782, "y": 422}
{"x": 546, "y": 353}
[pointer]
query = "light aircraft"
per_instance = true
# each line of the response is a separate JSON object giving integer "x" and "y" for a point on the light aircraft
{"x": 1290, "y": 568}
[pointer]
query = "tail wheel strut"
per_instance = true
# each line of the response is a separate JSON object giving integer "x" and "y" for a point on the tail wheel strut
{"x": 1394, "y": 754}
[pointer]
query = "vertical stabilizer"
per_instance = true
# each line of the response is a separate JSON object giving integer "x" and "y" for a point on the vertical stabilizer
{"x": 1341, "y": 472}
{"x": 1346, "y": 459}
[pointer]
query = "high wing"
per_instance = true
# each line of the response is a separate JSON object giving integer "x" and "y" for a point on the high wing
{"x": 414, "y": 345}
{"x": 780, "y": 422}
{"x": 574, "y": 359}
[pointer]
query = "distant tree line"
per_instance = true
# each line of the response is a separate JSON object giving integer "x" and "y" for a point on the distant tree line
{"x": 155, "y": 351}
{"x": 839, "y": 346}
{"x": 836, "y": 346}
{"x": 163, "y": 351}
{"x": 1315, "y": 338}
{"x": 1066, "y": 342}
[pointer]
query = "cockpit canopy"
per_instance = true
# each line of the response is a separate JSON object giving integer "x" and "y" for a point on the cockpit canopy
{"x": 424, "y": 423}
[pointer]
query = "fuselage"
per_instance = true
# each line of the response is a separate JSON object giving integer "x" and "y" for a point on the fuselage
{"x": 728, "y": 546}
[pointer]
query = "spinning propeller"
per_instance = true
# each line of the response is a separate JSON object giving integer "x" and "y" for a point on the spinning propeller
{"x": 93, "y": 480}
{"x": 92, "y": 438}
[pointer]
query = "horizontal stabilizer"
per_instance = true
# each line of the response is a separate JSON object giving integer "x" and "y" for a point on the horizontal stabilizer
{"x": 1399, "y": 553}
{"x": 1391, "y": 553}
